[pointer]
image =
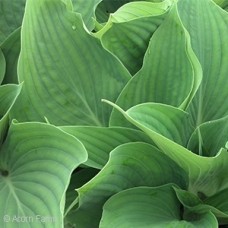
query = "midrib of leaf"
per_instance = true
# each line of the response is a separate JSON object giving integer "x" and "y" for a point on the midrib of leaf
{"x": 92, "y": 115}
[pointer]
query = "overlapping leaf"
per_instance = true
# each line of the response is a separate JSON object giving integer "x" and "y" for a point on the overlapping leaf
{"x": 35, "y": 172}
{"x": 206, "y": 175}
{"x": 129, "y": 29}
{"x": 219, "y": 201}
{"x": 130, "y": 165}
{"x": 150, "y": 207}
{"x": 68, "y": 71}
{"x": 207, "y": 25}
{"x": 106, "y": 7}
{"x": 100, "y": 141}
{"x": 193, "y": 204}
{"x": 222, "y": 3}
{"x": 171, "y": 74}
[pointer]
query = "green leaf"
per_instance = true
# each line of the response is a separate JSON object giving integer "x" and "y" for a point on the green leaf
{"x": 106, "y": 7}
{"x": 209, "y": 137}
{"x": 130, "y": 165}
{"x": 100, "y": 141}
{"x": 213, "y": 204}
{"x": 11, "y": 49}
{"x": 129, "y": 29}
{"x": 222, "y": 3}
{"x": 35, "y": 173}
{"x": 136, "y": 10}
{"x": 11, "y": 14}
{"x": 207, "y": 25}
{"x": 171, "y": 77}
{"x": 8, "y": 96}
{"x": 150, "y": 207}
{"x": 2, "y": 66}
{"x": 87, "y": 10}
{"x": 59, "y": 74}
{"x": 219, "y": 201}
{"x": 166, "y": 120}
{"x": 207, "y": 175}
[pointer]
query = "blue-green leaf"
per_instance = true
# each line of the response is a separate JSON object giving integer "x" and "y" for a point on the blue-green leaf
{"x": 36, "y": 161}
{"x": 130, "y": 165}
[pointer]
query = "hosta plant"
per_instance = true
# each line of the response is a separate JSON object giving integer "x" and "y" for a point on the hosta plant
{"x": 113, "y": 113}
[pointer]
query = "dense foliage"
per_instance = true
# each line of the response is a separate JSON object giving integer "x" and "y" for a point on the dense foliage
{"x": 113, "y": 113}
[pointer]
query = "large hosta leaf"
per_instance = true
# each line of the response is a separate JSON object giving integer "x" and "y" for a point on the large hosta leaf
{"x": 11, "y": 49}
{"x": 207, "y": 25}
{"x": 11, "y": 14}
{"x": 171, "y": 74}
{"x": 100, "y": 141}
{"x": 35, "y": 166}
{"x": 8, "y": 96}
{"x": 129, "y": 30}
{"x": 130, "y": 165}
{"x": 68, "y": 71}
{"x": 150, "y": 207}
{"x": 206, "y": 175}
